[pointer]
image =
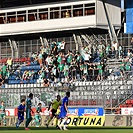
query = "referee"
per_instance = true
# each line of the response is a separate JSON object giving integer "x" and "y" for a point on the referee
{"x": 55, "y": 105}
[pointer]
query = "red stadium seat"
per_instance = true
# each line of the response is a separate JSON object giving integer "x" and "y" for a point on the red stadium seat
{"x": 125, "y": 106}
{"x": 22, "y": 59}
{"x": 28, "y": 59}
{"x": 94, "y": 102}
{"x": 4, "y": 60}
{"x": 121, "y": 106}
{"x": 128, "y": 101}
{"x": 131, "y": 101}
{"x": 16, "y": 60}
{"x": 130, "y": 106}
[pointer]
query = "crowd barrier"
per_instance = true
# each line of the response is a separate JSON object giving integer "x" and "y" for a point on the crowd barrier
{"x": 82, "y": 117}
{"x": 85, "y": 121}
{"x": 73, "y": 121}
{"x": 77, "y": 116}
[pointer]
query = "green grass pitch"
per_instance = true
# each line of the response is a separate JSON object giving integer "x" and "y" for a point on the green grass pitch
{"x": 71, "y": 130}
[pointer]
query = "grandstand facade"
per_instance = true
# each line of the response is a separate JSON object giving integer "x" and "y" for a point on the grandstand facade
{"x": 67, "y": 45}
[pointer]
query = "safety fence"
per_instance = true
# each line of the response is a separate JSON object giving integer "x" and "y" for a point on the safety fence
{"x": 107, "y": 93}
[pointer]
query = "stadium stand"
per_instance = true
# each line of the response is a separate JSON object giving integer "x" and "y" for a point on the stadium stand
{"x": 96, "y": 70}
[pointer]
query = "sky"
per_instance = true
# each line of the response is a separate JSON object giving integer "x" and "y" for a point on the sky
{"x": 122, "y": 4}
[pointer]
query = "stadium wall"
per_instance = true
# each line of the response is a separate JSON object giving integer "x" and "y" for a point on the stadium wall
{"x": 114, "y": 11}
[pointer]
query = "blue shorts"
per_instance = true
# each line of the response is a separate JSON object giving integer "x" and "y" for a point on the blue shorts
{"x": 63, "y": 114}
{"x": 21, "y": 118}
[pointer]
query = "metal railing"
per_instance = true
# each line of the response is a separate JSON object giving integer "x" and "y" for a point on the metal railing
{"x": 94, "y": 93}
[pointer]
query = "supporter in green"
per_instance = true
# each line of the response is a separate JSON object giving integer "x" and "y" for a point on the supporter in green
{"x": 69, "y": 58}
{"x": 100, "y": 71}
{"x": 58, "y": 45}
{"x": 8, "y": 74}
{"x": 79, "y": 57}
{"x": 107, "y": 49}
{"x": 128, "y": 66}
{"x": 66, "y": 70}
{"x": 122, "y": 64}
{"x": 59, "y": 59}
{"x": 53, "y": 44}
{"x": 61, "y": 67}
{"x": 4, "y": 70}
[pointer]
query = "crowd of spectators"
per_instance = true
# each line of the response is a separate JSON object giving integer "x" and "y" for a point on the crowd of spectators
{"x": 5, "y": 71}
{"x": 60, "y": 67}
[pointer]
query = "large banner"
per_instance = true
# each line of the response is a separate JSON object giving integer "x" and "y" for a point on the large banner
{"x": 73, "y": 121}
{"x": 85, "y": 111}
{"x": 127, "y": 111}
{"x": 86, "y": 121}
{"x": 119, "y": 121}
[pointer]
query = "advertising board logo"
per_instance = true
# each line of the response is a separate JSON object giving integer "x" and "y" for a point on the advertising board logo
{"x": 126, "y": 111}
{"x": 131, "y": 112}
{"x": 72, "y": 112}
{"x": 86, "y": 121}
{"x": 118, "y": 121}
{"x": 91, "y": 112}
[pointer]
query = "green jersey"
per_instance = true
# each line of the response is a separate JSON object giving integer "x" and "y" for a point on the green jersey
{"x": 100, "y": 70}
{"x": 4, "y": 69}
{"x": 61, "y": 67}
{"x": 59, "y": 59}
{"x": 2, "y": 109}
{"x": 127, "y": 66}
{"x": 69, "y": 59}
{"x": 28, "y": 103}
{"x": 38, "y": 109}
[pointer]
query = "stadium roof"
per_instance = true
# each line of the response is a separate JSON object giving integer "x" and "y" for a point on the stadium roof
{"x": 14, "y": 3}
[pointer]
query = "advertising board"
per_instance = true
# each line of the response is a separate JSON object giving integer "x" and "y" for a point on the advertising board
{"x": 73, "y": 121}
{"x": 85, "y": 111}
{"x": 86, "y": 121}
{"x": 127, "y": 111}
{"x": 119, "y": 120}
{"x": 79, "y": 111}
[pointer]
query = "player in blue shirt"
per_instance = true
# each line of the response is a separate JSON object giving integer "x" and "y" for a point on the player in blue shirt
{"x": 21, "y": 110}
{"x": 63, "y": 111}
